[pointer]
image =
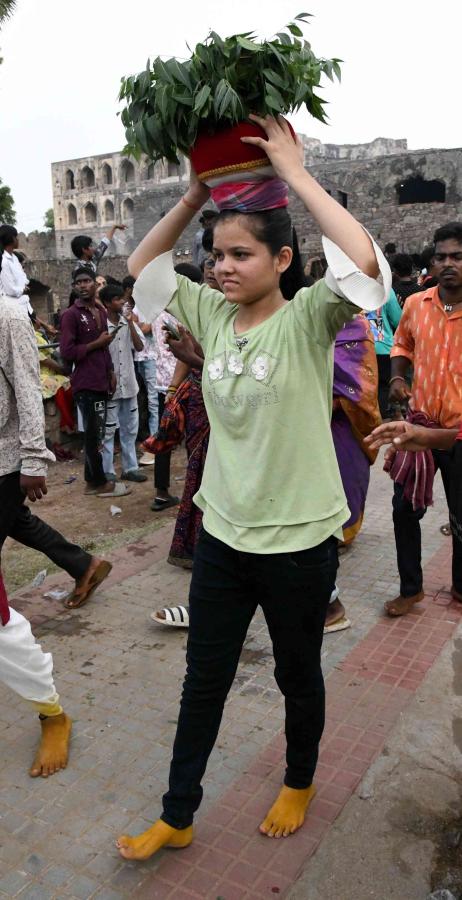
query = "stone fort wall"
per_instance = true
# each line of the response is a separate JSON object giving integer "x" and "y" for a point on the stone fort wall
{"x": 369, "y": 179}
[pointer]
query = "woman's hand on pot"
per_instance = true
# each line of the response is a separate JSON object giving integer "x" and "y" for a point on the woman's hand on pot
{"x": 197, "y": 193}
{"x": 285, "y": 153}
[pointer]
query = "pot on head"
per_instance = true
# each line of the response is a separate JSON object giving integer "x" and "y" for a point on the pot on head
{"x": 220, "y": 156}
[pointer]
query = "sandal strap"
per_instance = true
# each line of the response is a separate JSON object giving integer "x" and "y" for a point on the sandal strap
{"x": 176, "y": 613}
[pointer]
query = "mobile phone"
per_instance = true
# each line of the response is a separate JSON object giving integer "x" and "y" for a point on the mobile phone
{"x": 173, "y": 332}
{"x": 117, "y": 329}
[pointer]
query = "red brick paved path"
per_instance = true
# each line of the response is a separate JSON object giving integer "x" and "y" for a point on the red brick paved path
{"x": 366, "y": 694}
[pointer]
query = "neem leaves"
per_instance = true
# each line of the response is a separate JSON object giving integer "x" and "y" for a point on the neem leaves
{"x": 225, "y": 80}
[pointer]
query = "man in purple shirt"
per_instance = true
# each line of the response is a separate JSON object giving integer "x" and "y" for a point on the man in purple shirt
{"x": 85, "y": 342}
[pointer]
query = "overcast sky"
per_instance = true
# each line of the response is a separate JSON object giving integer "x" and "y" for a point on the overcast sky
{"x": 63, "y": 62}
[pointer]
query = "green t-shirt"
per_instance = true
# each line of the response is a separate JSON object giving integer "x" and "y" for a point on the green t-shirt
{"x": 271, "y": 482}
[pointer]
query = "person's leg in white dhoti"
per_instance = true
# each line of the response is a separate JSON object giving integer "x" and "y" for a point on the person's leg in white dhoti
{"x": 28, "y": 671}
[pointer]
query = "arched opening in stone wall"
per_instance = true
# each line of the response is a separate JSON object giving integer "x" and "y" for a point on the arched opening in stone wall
{"x": 71, "y": 214}
{"x": 90, "y": 212}
{"x": 107, "y": 174}
{"x": 127, "y": 209}
{"x": 69, "y": 180}
{"x": 343, "y": 199}
{"x": 108, "y": 211}
{"x": 417, "y": 190}
{"x": 150, "y": 171}
{"x": 172, "y": 170}
{"x": 88, "y": 177}
{"x": 128, "y": 171}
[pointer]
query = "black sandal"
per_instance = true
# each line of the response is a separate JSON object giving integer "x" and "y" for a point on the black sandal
{"x": 160, "y": 504}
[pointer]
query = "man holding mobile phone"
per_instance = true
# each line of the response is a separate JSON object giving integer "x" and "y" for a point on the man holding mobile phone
{"x": 85, "y": 342}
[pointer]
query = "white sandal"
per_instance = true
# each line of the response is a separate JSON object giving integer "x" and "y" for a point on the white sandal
{"x": 120, "y": 490}
{"x": 340, "y": 625}
{"x": 176, "y": 616}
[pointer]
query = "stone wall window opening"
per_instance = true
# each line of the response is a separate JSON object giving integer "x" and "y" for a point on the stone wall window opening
{"x": 343, "y": 199}
{"x": 88, "y": 177}
{"x": 150, "y": 172}
{"x": 417, "y": 189}
{"x": 128, "y": 171}
{"x": 173, "y": 170}
{"x": 90, "y": 213}
{"x": 127, "y": 209}
{"x": 107, "y": 173}
{"x": 69, "y": 180}
{"x": 108, "y": 211}
{"x": 71, "y": 214}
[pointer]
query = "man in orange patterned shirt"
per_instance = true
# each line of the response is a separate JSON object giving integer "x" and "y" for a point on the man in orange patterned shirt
{"x": 429, "y": 337}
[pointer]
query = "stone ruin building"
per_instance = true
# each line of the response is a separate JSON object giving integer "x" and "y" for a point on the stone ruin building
{"x": 400, "y": 195}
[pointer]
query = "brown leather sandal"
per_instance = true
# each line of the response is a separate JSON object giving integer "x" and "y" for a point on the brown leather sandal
{"x": 81, "y": 595}
{"x": 400, "y": 606}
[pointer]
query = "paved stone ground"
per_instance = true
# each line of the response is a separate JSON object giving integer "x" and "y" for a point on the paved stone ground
{"x": 120, "y": 678}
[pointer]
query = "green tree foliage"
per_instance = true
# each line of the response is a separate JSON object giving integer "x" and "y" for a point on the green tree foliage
{"x": 222, "y": 82}
{"x": 49, "y": 219}
{"x": 6, "y": 9}
{"x": 7, "y": 211}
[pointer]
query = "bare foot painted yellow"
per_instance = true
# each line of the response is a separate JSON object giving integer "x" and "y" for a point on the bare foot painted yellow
{"x": 53, "y": 751}
{"x": 288, "y": 812}
{"x": 159, "y": 835}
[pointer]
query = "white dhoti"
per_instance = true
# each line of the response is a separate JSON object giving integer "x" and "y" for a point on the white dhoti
{"x": 25, "y": 668}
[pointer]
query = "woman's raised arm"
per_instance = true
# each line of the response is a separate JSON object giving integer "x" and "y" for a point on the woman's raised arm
{"x": 334, "y": 221}
{"x": 165, "y": 233}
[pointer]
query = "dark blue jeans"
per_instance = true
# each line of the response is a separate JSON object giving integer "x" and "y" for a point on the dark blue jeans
{"x": 293, "y": 590}
{"x": 408, "y": 537}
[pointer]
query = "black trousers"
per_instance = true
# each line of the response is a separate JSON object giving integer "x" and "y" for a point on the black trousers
{"x": 408, "y": 535}
{"x": 17, "y": 522}
{"x": 293, "y": 590}
{"x": 93, "y": 408}
{"x": 162, "y": 460}
{"x": 384, "y": 367}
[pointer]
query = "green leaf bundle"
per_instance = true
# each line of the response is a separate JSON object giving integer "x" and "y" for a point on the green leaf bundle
{"x": 224, "y": 80}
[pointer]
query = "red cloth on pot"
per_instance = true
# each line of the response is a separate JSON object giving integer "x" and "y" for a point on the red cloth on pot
{"x": 222, "y": 152}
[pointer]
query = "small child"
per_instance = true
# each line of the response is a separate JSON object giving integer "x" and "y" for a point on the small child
{"x": 122, "y": 407}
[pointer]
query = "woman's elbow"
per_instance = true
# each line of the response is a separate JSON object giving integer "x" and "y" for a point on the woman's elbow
{"x": 370, "y": 267}
{"x": 133, "y": 265}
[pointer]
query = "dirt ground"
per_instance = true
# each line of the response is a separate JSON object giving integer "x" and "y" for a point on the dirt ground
{"x": 87, "y": 520}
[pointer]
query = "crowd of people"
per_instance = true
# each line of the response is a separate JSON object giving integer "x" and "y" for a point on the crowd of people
{"x": 277, "y": 380}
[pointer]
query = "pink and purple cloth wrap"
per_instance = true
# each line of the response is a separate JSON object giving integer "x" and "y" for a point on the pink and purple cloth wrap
{"x": 251, "y": 196}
